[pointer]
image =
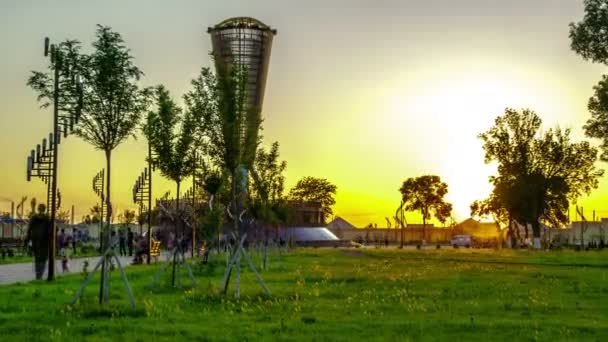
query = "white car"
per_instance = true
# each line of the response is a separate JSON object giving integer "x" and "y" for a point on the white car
{"x": 461, "y": 241}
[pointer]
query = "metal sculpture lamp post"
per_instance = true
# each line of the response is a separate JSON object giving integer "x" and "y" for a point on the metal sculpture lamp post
{"x": 43, "y": 162}
{"x": 141, "y": 192}
{"x": 98, "y": 187}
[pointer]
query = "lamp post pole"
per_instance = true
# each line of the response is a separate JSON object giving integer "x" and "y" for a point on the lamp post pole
{"x": 42, "y": 162}
{"x": 56, "y": 61}
{"x": 149, "y": 200}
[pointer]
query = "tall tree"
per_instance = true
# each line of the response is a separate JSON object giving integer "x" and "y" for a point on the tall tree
{"x": 95, "y": 213}
{"x": 112, "y": 100}
{"x": 311, "y": 189}
{"x": 267, "y": 202}
{"x": 171, "y": 136}
{"x": 268, "y": 175}
{"x": 219, "y": 103}
{"x": 538, "y": 173}
{"x": 426, "y": 194}
{"x": 589, "y": 38}
{"x": 128, "y": 217}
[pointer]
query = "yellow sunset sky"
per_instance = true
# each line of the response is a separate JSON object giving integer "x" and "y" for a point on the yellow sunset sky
{"x": 363, "y": 93}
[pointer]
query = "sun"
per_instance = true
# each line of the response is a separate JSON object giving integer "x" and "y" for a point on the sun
{"x": 443, "y": 119}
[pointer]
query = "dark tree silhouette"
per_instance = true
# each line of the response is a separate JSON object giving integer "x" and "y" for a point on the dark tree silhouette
{"x": 589, "y": 38}
{"x": 311, "y": 189}
{"x": 268, "y": 174}
{"x": 426, "y": 194}
{"x": 171, "y": 136}
{"x": 538, "y": 173}
{"x": 231, "y": 134}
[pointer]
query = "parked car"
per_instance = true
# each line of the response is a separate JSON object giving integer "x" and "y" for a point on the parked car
{"x": 461, "y": 241}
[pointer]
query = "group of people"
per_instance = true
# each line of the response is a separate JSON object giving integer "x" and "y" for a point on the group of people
{"x": 125, "y": 240}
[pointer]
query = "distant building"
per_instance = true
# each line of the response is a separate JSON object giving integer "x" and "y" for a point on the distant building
{"x": 590, "y": 231}
{"x": 305, "y": 214}
{"x": 340, "y": 223}
{"x": 477, "y": 229}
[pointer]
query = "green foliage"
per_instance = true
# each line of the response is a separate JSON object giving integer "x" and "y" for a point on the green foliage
{"x": 211, "y": 222}
{"x": 426, "y": 194}
{"x": 268, "y": 175}
{"x": 95, "y": 213}
{"x": 311, "y": 189}
{"x": 171, "y": 137}
{"x": 112, "y": 100}
{"x": 213, "y": 183}
{"x": 219, "y": 102}
{"x": 597, "y": 125}
{"x": 212, "y": 219}
{"x": 128, "y": 217}
{"x": 589, "y": 37}
{"x": 538, "y": 173}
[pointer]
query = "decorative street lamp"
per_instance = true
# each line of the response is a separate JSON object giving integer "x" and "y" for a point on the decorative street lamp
{"x": 98, "y": 188}
{"x": 141, "y": 192}
{"x": 42, "y": 162}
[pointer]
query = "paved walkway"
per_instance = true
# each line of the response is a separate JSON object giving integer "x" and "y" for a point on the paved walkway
{"x": 24, "y": 272}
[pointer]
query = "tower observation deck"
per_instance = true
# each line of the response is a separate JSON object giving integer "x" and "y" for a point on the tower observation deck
{"x": 245, "y": 42}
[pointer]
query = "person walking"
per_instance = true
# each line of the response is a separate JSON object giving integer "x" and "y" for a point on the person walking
{"x": 130, "y": 241}
{"x": 38, "y": 236}
{"x": 60, "y": 240}
{"x": 122, "y": 241}
{"x": 65, "y": 266}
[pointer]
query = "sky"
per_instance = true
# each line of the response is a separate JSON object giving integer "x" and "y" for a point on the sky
{"x": 363, "y": 93}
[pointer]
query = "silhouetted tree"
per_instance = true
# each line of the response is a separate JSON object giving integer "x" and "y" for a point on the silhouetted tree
{"x": 95, "y": 213}
{"x": 311, "y": 189}
{"x": 112, "y": 99}
{"x": 267, "y": 202}
{"x": 211, "y": 222}
{"x": 538, "y": 173}
{"x": 171, "y": 136}
{"x": 426, "y": 194}
{"x": 63, "y": 216}
{"x": 269, "y": 174}
{"x": 589, "y": 38}
{"x": 128, "y": 217}
{"x": 230, "y": 128}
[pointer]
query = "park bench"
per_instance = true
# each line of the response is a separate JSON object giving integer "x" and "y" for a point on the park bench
{"x": 154, "y": 249}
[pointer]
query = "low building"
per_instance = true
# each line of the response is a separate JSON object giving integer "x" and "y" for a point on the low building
{"x": 587, "y": 232}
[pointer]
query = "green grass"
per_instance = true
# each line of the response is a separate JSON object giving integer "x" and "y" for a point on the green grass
{"x": 336, "y": 295}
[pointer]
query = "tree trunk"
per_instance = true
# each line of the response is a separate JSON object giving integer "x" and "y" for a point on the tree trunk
{"x": 510, "y": 232}
{"x": 175, "y": 232}
{"x": 536, "y": 234}
{"x": 103, "y": 287}
{"x": 423, "y": 226}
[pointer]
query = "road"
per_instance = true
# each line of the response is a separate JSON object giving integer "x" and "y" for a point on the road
{"x": 24, "y": 272}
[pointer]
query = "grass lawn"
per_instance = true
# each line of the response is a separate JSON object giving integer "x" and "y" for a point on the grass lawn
{"x": 336, "y": 295}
